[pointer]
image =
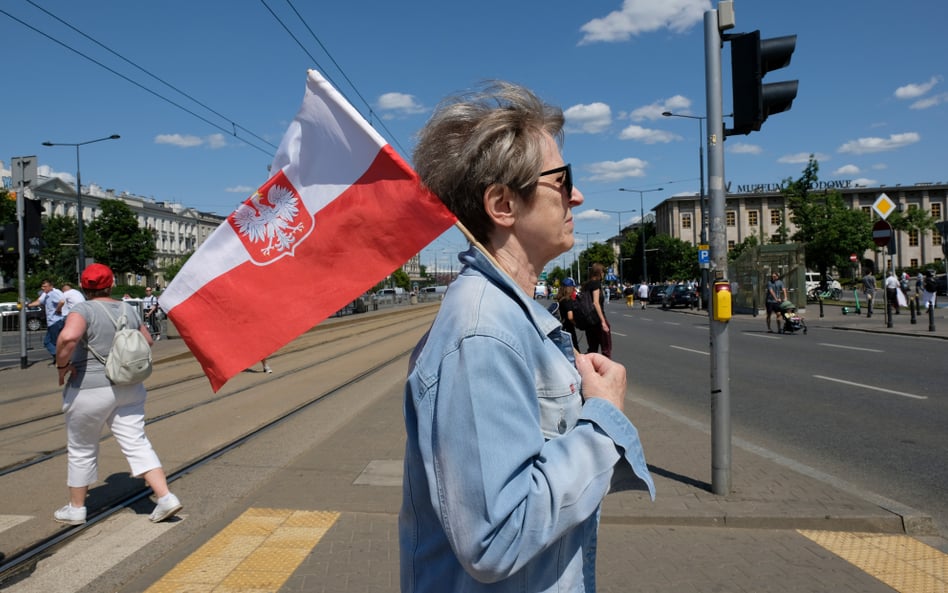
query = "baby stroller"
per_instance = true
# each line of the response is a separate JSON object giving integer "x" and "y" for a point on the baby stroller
{"x": 791, "y": 321}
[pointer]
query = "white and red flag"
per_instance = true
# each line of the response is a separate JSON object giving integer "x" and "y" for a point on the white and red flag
{"x": 341, "y": 212}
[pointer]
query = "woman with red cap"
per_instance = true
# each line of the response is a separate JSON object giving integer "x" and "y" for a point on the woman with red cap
{"x": 91, "y": 400}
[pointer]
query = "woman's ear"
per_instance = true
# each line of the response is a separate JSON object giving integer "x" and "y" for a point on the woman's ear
{"x": 500, "y": 205}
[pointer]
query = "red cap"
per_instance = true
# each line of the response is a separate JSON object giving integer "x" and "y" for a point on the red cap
{"x": 96, "y": 277}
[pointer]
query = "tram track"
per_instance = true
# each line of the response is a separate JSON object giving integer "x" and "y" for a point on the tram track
{"x": 19, "y": 563}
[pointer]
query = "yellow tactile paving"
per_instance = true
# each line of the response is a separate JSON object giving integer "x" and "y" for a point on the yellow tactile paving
{"x": 901, "y": 562}
{"x": 256, "y": 553}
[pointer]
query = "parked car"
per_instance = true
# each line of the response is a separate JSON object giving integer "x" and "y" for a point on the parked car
{"x": 941, "y": 284}
{"x": 35, "y": 317}
{"x": 541, "y": 290}
{"x": 680, "y": 295}
{"x": 813, "y": 282}
{"x": 656, "y": 294}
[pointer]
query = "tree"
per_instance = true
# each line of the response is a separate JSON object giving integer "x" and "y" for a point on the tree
{"x": 747, "y": 244}
{"x": 172, "y": 269}
{"x": 401, "y": 279}
{"x": 914, "y": 220}
{"x": 673, "y": 258}
{"x": 60, "y": 255}
{"x": 829, "y": 229}
{"x": 115, "y": 239}
{"x": 596, "y": 253}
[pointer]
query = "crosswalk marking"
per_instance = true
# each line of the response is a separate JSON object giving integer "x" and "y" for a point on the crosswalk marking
{"x": 901, "y": 562}
{"x": 259, "y": 551}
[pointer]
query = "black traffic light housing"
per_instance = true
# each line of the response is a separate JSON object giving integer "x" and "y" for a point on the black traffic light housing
{"x": 9, "y": 239}
{"x": 751, "y": 59}
{"x": 33, "y": 225}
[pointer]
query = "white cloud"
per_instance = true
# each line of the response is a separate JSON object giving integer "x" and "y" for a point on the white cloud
{"x": 847, "y": 170}
{"x": 181, "y": 140}
{"x": 802, "y": 158}
{"x": 591, "y": 214}
{"x": 216, "y": 141}
{"x": 617, "y": 170}
{"x": 743, "y": 148}
{"x": 930, "y": 101}
{"x": 647, "y": 135}
{"x": 866, "y": 145}
{"x": 588, "y": 119}
{"x": 913, "y": 91}
{"x": 240, "y": 189}
{"x": 399, "y": 105}
{"x": 880, "y": 167}
{"x": 47, "y": 171}
{"x": 643, "y": 16}
{"x": 677, "y": 104}
{"x": 865, "y": 182}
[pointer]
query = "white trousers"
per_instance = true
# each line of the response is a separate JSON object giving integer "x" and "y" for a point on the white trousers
{"x": 87, "y": 411}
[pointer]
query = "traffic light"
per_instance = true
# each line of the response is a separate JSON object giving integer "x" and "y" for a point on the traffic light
{"x": 33, "y": 224}
{"x": 8, "y": 239}
{"x": 751, "y": 59}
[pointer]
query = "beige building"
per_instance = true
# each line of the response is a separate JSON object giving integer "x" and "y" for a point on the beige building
{"x": 760, "y": 210}
{"x": 179, "y": 229}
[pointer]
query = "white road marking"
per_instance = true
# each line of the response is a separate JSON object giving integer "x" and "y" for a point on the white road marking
{"x": 690, "y": 350}
{"x": 851, "y": 347}
{"x": 615, "y": 333}
{"x": 872, "y": 387}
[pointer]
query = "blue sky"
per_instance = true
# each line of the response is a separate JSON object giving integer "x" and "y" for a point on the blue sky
{"x": 872, "y": 102}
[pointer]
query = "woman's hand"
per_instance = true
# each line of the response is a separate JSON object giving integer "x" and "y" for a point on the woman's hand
{"x": 602, "y": 378}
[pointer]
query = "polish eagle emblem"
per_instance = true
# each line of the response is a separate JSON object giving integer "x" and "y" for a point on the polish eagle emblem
{"x": 272, "y": 221}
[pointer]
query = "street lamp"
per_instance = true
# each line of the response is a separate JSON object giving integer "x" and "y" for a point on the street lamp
{"x": 619, "y": 236}
{"x": 579, "y": 277}
{"x": 701, "y": 197}
{"x": 641, "y": 192}
{"x": 79, "y": 221}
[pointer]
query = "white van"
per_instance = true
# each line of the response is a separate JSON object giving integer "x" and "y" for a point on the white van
{"x": 813, "y": 280}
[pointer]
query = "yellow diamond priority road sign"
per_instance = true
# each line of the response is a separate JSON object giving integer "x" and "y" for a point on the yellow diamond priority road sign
{"x": 883, "y": 206}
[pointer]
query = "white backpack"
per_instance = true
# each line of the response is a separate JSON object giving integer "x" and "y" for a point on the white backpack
{"x": 129, "y": 358}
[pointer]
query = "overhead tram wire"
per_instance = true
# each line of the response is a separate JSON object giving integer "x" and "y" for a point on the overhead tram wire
{"x": 159, "y": 79}
{"x": 336, "y": 64}
{"x": 141, "y": 86}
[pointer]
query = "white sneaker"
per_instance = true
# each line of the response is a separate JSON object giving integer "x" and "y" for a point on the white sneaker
{"x": 71, "y": 515}
{"x": 267, "y": 369}
{"x": 167, "y": 507}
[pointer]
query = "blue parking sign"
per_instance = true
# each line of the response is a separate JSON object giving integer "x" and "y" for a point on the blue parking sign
{"x": 704, "y": 254}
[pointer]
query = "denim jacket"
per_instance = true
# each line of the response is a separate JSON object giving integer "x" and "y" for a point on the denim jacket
{"x": 505, "y": 465}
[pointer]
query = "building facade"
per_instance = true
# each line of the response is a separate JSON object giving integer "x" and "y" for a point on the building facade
{"x": 179, "y": 230}
{"x": 761, "y": 210}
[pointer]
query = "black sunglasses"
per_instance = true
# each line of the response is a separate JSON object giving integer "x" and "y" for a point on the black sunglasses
{"x": 567, "y": 177}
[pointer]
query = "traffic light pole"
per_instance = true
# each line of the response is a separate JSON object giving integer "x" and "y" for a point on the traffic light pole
{"x": 21, "y": 270}
{"x": 720, "y": 342}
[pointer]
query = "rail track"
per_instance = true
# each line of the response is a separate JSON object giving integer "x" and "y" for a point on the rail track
{"x": 329, "y": 359}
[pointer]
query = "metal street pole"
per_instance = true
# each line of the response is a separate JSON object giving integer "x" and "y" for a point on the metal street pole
{"x": 702, "y": 198}
{"x": 79, "y": 220}
{"x": 641, "y": 193}
{"x": 720, "y": 342}
{"x": 619, "y": 236}
{"x": 579, "y": 276}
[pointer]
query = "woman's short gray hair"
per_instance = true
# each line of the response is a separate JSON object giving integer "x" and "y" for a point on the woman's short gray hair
{"x": 487, "y": 136}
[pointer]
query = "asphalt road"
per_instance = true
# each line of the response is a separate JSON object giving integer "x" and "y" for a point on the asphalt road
{"x": 869, "y": 409}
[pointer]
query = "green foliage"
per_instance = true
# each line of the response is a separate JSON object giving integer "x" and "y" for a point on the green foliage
{"x": 745, "y": 245}
{"x": 595, "y": 253}
{"x": 400, "y": 278}
{"x": 172, "y": 269}
{"x": 115, "y": 239}
{"x": 7, "y": 207}
{"x": 672, "y": 259}
{"x": 829, "y": 228}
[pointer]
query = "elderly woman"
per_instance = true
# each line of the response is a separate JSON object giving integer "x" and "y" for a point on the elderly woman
{"x": 90, "y": 400}
{"x": 512, "y": 437}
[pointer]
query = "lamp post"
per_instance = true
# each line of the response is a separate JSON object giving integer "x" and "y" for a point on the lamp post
{"x": 579, "y": 276}
{"x": 641, "y": 193}
{"x": 701, "y": 197}
{"x": 79, "y": 221}
{"x": 619, "y": 236}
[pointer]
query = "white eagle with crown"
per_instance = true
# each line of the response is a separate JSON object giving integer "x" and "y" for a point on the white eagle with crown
{"x": 273, "y": 222}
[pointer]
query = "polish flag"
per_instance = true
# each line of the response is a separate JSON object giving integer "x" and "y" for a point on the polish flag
{"x": 342, "y": 211}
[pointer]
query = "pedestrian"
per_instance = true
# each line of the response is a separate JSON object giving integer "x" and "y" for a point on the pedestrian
{"x": 643, "y": 294}
{"x": 928, "y": 291}
{"x": 150, "y": 310}
{"x": 869, "y": 290}
{"x": 266, "y": 368}
{"x": 598, "y": 336}
{"x": 91, "y": 401}
{"x": 892, "y": 291}
{"x": 629, "y": 293}
{"x": 566, "y": 298}
{"x": 498, "y": 407}
{"x": 49, "y": 298}
{"x": 776, "y": 295}
{"x": 71, "y": 296}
